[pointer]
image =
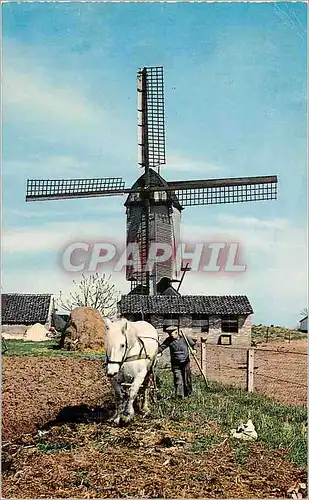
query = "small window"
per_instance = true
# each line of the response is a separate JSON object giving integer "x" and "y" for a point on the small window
{"x": 200, "y": 323}
{"x": 229, "y": 324}
{"x": 159, "y": 195}
{"x": 225, "y": 340}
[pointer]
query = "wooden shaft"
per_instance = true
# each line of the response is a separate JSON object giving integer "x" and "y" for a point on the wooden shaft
{"x": 250, "y": 370}
{"x": 195, "y": 358}
{"x": 203, "y": 355}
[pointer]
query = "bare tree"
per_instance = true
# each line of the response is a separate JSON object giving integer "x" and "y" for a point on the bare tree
{"x": 92, "y": 291}
{"x": 304, "y": 312}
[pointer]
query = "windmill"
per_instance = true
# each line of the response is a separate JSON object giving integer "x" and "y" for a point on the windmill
{"x": 154, "y": 205}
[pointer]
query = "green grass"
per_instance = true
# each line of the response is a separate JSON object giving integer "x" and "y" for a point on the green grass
{"x": 260, "y": 333}
{"x": 279, "y": 426}
{"x": 46, "y": 348}
{"x": 55, "y": 447}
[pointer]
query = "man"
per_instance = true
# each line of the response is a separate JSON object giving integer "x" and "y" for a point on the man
{"x": 180, "y": 360}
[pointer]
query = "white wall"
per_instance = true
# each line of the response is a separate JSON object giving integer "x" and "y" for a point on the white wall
{"x": 304, "y": 325}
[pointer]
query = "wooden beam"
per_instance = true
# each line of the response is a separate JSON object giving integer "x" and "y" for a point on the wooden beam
{"x": 203, "y": 355}
{"x": 250, "y": 370}
{"x": 229, "y": 181}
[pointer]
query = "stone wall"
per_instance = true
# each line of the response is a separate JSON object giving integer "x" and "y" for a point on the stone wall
{"x": 214, "y": 333}
{"x": 241, "y": 339}
{"x": 18, "y": 331}
{"x": 244, "y": 336}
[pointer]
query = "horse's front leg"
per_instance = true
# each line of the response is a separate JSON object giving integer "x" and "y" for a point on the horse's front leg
{"x": 145, "y": 403}
{"x": 119, "y": 400}
{"x": 145, "y": 389}
{"x": 128, "y": 413}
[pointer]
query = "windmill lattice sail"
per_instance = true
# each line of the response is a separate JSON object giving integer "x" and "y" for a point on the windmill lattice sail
{"x": 218, "y": 191}
{"x": 151, "y": 117}
{"x": 57, "y": 189}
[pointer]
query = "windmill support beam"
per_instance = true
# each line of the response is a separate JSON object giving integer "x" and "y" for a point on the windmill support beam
{"x": 230, "y": 181}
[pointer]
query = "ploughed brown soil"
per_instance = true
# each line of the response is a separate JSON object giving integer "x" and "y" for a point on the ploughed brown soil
{"x": 78, "y": 454}
{"x": 36, "y": 389}
{"x": 148, "y": 460}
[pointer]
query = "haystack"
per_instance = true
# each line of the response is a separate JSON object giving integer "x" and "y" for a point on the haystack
{"x": 85, "y": 331}
{"x": 36, "y": 333}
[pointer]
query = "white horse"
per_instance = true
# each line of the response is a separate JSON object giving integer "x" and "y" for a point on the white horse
{"x": 131, "y": 351}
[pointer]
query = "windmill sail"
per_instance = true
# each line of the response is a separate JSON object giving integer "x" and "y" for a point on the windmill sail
{"x": 217, "y": 191}
{"x": 57, "y": 189}
{"x": 151, "y": 128}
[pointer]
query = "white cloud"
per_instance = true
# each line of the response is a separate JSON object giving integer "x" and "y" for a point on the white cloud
{"x": 178, "y": 163}
{"x": 253, "y": 222}
{"x": 275, "y": 254}
{"x": 55, "y": 236}
{"x": 50, "y": 280}
{"x": 34, "y": 98}
{"x": 49, "y": 166}
{"x": 268, "y": 236}
{"x": 97, "y": 208}
{"x": 53, "y": 108}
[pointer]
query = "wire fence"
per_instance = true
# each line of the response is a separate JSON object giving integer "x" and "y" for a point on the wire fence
{"x": 224, "y": 365}
{"x": 279, "y": 373}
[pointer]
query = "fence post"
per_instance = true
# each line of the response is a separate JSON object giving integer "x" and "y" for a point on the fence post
{"x": 203, "y": 355}
{"x": 250, "y": 370}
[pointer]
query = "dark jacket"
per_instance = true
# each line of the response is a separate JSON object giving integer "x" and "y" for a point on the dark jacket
{"x": 178, "y": 348}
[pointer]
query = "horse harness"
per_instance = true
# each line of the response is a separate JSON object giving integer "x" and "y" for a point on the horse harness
{"x": 135, "y": 357}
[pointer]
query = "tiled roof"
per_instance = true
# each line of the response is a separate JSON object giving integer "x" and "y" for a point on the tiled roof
{"x": 185, "y": 304}
{"x": 24, "y": 308}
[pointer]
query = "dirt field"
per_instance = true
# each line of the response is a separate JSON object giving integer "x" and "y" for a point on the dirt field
{"x": 78, "y": 454}
{"x": 280, "y": 369}
{"x": 37, "y": 390}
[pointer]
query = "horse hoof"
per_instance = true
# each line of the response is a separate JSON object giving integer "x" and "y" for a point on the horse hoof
{"x": 124, "y": 422}
{"x": 125, "y": 418}
{"x": 115, "y": 419}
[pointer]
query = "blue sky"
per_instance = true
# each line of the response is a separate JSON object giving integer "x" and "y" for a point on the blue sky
{"x": 235, "y": 90}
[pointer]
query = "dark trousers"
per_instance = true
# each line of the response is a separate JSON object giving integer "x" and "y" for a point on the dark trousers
{"x": 182, "y": 378}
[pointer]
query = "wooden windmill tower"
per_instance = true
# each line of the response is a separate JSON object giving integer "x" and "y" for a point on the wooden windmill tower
{"x": 154, "y": 205}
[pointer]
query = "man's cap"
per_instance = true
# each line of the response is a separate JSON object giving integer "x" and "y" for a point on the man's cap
{"x": 171, "y": 328}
